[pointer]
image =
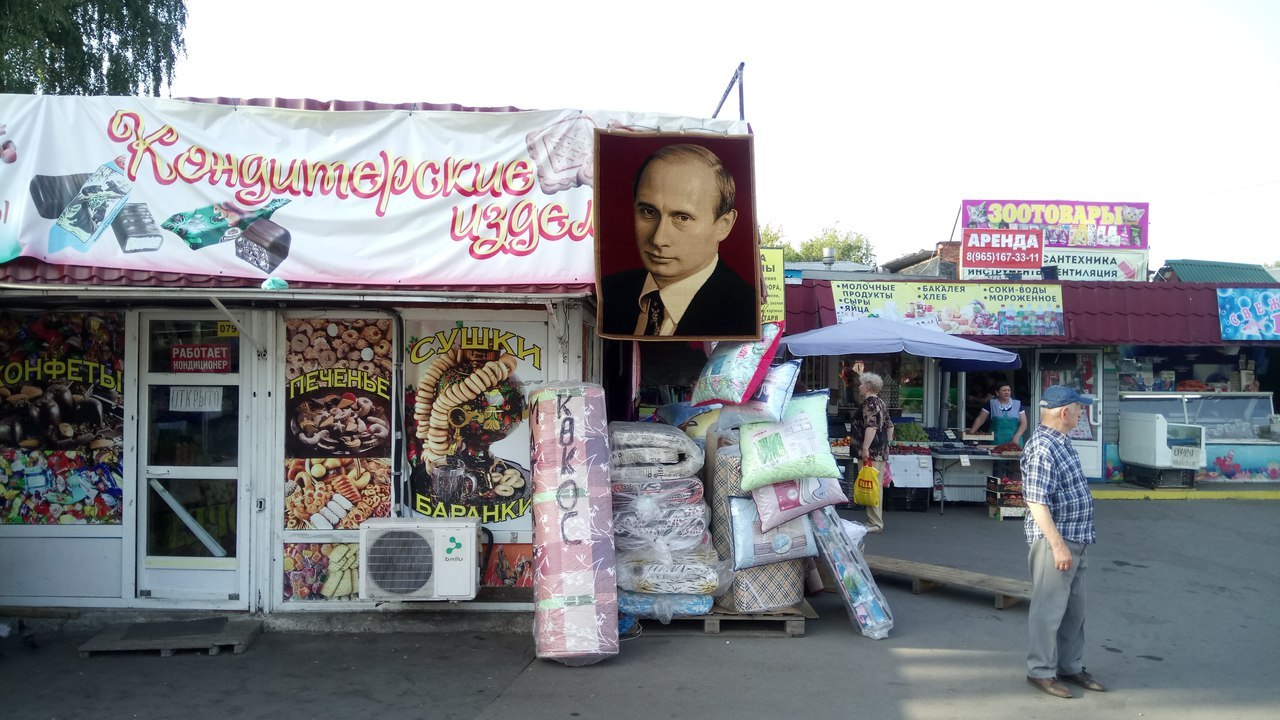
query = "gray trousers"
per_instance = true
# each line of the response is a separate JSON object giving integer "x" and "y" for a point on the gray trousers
{"x": 1056, "y": 616}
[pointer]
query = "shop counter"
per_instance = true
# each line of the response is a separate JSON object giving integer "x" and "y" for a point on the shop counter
{"x": 959, "y": 480}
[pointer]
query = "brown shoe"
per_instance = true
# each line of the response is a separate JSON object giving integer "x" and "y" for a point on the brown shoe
{"x": 1084, "y": 680}
{"x": 1051, "y": 686}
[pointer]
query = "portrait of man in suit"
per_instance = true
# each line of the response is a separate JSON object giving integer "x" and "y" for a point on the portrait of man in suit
{"x": 684, "y": 206}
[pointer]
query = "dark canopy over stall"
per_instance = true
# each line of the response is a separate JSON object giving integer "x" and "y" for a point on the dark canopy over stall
{"x": 877, "y": 336}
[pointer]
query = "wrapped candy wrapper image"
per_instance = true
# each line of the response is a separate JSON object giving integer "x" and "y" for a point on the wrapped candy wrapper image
{"x": 92, "y": 209}
{"x": 224, "y": 222}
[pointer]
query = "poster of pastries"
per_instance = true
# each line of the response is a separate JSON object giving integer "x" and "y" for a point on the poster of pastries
{"x": 466, "y": 423}
{"x": 61, "y": 417}
{"x": 338, "y": 377}
{"x": 337, "y": 468}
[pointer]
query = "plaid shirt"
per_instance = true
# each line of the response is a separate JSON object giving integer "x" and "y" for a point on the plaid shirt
{"x": 1052, "y": 476}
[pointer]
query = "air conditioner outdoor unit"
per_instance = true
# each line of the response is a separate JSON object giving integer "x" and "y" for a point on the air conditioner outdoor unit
{"x": 419, "y": 559}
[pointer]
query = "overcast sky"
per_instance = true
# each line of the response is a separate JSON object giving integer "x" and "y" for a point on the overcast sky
{"x": 877, "y": 117}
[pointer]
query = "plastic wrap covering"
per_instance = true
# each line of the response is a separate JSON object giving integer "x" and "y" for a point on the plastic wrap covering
{"x": 663, "y": 607}
{"x": 754, "y": 546}
{"x": 652, "y": 451}
{"x": 862, "y": 597}
{"x": 574, "y": 582}
{"x": 757, "y": 589}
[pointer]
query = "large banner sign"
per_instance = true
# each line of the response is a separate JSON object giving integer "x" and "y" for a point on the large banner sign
{"x": 1249, "y": 313}
{"x": 957, "y": 309}
{"x": 1078, "y": 265}
{"x": 774, "y": 307}
{"x": 423, "y": 197}
{"x": 1084, "y": 240}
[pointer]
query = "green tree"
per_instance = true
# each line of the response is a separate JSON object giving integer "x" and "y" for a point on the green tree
{"x": 849, "y": 245}
{"x": 90, "y": 47}
{"x": 771, "y": 236}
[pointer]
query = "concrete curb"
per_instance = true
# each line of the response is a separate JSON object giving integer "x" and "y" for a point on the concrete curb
{"x": 1139, "y": 493}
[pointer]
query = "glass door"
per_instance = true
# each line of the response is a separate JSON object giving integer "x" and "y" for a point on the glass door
{"x": 191, "y": 446}
{"x": 1082, "y": 370}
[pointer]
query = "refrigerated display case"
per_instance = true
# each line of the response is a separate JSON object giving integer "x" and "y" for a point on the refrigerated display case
{"x": 1239, "y": 443}
{"x": 1159, "y": 453}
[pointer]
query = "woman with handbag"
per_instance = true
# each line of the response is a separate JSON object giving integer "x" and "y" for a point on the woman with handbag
{"x": 872, "y": 431}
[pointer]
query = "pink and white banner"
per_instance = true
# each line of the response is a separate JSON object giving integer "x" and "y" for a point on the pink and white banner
{"x": 385, "y": 197}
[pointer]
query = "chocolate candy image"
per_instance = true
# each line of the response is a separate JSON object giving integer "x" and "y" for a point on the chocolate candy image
{"x": 264, "y": 245}
{"x": 207, "y": 226}
{"x": 136, "y": 230}
{"x": 52, "y": 193}
{"x": 93, "y": 208}
{"x": 8, "y": 151}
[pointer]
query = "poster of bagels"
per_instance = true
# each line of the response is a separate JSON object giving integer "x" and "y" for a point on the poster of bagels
{"x": 467, "y": 420}
{"x": 338, "y": 417}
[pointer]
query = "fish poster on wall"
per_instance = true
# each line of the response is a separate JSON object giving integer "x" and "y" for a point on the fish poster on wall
{"x": 61, "y": 418}
{"x": 466, "y": 421}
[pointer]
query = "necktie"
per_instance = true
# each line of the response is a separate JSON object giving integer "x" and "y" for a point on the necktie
{"x": 656, "y": 310}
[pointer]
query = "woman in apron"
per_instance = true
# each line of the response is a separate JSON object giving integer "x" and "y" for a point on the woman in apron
{"x": 1008, "y": 419}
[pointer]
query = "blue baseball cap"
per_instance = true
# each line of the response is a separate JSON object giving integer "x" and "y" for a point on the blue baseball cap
{"x": 1055, "y": 396}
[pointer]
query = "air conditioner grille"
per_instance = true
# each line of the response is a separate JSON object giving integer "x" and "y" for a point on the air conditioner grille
{"x": 400, "y": 562}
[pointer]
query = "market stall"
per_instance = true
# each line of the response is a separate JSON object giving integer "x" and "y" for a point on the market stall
{"x": 953, "y": 466}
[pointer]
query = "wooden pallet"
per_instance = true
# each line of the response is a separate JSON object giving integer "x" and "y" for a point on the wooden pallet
{"x": 788, "y": 622}
{"x": 925, "y": 577}
{"x": 208, "y": 638}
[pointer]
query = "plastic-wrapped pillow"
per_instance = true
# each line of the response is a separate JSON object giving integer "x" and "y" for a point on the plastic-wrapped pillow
{"x": 780, "y": 502}
{"x": 793, "y": 448}
{"x": 754, "y": 546}
{"x": 769, "y": 401}
{"x": 736, "y": 369}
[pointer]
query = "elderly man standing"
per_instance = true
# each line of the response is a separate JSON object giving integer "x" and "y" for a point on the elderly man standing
{"x": 1059, "y": 529}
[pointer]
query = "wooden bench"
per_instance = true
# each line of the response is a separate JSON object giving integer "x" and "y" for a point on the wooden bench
{"x": 925, "y": 577}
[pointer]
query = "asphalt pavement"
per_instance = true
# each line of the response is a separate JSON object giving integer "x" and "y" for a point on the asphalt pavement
{"x": 1182, "y": 624}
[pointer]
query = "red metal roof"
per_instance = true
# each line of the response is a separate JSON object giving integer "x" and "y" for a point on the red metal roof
{"x": 30, "y": 271}
{"x": 810, "y": 306}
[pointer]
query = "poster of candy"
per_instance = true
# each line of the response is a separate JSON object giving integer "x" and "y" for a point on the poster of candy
{"x": 321, "y": 571}
{"x": 61, "y": 417}
{"x": 466, "y": 422}
{"x": 335, "y": 493}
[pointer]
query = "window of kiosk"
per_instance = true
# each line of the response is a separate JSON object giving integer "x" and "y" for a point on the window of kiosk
{"x": 193, "y": 346}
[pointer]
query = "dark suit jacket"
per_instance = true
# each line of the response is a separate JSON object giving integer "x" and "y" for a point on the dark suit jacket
{"x": 725, "y": 306}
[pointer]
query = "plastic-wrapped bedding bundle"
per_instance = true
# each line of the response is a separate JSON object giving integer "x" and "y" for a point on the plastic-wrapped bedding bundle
{"x": 664, "y": 529}
{"x": 693, "y": 572}
{"x": 669, "y": 492}
{"x": 862, "y": 597}
{"x": 663, "y": 607}
{"x": 574, "y": 582}
{"x": 644, "y": 451}
{"x": 755, "y": 589}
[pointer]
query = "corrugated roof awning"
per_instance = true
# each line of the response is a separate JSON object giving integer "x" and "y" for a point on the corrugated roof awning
{"x": 29, "y": 277}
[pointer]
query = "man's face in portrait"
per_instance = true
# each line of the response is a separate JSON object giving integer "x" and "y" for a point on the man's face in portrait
{"x": 677, "y": 230}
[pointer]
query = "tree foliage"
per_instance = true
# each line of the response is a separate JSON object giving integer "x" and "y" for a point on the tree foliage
{"x": 771, "y": 236}
{"x": 90, "y": 47}
{"x": 849, "y": 245}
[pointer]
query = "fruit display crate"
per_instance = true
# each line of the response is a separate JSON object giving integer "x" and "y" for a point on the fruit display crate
{"x": 1000, "y": 513}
